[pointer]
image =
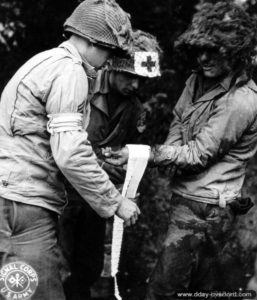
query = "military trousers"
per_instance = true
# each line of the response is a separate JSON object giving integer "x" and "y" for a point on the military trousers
{"x": 195, "y": 239}
{"x": 81, "y": 238}
{"x": 29, "y": 252}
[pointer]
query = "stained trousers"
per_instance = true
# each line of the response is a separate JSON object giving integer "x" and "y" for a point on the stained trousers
{"x": 196, "y": 237}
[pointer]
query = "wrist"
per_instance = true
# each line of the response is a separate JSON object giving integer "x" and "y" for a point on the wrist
{"x": 121, "y": 202}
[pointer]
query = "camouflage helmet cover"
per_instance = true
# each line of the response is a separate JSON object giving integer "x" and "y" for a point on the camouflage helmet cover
{"x": 223, "y": 26}
{"x": 145, "y": 57}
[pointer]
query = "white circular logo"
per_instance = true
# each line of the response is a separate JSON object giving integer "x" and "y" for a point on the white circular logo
{"x": 18, "y": 280}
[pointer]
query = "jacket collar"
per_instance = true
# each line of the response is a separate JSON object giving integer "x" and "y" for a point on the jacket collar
{"x": 221, "y": 87}
{"x": 251, "y": 84}
{"x": 90, "y": 70}
{"x": 101, "y": 84}
{"x": 100, "y": 92}
{"x": 71, "y": 49}
{"x": 100, "y": 102}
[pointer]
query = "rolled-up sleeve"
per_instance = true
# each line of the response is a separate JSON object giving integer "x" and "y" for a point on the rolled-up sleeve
{"x": 71, "y": 150}
{"x": 231, "y": 116}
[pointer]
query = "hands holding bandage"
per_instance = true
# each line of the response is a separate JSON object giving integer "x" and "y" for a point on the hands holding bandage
{"x": 116, "y": 157}
{"x": 128, "y": 211}
{"x": 119, "y": 157}
{"x": 137, "y": 157}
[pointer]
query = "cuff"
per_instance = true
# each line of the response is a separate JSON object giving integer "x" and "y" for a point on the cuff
{"x": 162, "y": 155}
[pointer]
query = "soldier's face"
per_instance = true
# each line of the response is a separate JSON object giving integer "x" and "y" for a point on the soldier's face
{"x": 124, "y": 83}
{"x": 97, "y": 55}
{"x": 213, "y": 65}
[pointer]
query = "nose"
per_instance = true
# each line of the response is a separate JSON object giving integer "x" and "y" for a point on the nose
{"x": 204, "y": 57}
{"x": 135, "y": 83}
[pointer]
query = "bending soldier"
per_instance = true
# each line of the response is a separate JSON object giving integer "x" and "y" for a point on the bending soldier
{"x": 116, "y": 118}
{"x": 43, "y": 141}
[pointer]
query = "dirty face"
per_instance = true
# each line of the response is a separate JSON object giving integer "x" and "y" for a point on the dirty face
{"x": 124, "y": 83}
{"x": 213, "y": 65}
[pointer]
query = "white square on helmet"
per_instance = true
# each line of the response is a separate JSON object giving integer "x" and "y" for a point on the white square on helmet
{"x": 147, "y": 64}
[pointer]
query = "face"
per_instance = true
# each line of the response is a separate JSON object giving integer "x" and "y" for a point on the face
{"x": 97, "y": 55}
{"x": 212, "y": 63}
{"x": 124, "y": 83}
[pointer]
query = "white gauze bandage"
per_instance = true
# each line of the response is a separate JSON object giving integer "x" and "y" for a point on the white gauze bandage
{"x": 64, "y": 122}
{"x": 137, "y": 162}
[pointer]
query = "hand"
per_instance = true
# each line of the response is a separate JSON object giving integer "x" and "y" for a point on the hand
{"x": 116, "y": 173}
{"x": 128, "y": 211}
{"x": 136, "y": 198}
{"x": 116, "y": 157}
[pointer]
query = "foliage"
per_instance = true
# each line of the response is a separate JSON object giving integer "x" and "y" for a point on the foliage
{"x": 11, "y": 26}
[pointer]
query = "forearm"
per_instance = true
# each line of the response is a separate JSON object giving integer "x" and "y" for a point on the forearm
{"x": 187, "y": 156}
{"x": 175, "y": 131}
{"x": 77, "y": 161}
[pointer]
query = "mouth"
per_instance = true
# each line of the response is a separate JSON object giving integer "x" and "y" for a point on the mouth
{"x": 207, "y": 69}
{"x": 130, "y": 92}
{"x": 207, "y": 66}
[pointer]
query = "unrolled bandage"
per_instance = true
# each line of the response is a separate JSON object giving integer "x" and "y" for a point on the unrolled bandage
{"x": 137, "y": 162}
{"x": 64, "y": 122}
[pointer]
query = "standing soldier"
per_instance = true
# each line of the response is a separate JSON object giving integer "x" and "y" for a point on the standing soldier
{"x": 212, "y": 136}
{"x": 43, "y": 140}
{"x": 116, "y": 118}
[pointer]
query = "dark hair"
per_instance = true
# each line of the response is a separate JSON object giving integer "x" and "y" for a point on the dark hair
{"x": 226, "y": 27}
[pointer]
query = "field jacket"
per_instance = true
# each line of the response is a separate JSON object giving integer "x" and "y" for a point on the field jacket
{"x": 210, "y": 141}
{"x": 32, "y": 161}
{"x": 118, "y": 129}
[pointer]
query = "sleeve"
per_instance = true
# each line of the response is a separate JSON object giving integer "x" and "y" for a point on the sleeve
{"x": 71, "y": 150}
{"x": 227, "y": 123}
{"x": 175, "y": 131}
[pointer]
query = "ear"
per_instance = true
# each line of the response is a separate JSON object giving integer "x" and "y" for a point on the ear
{"x": 91, "y": 45}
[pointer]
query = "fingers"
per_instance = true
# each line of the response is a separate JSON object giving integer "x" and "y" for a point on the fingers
{"x": 114, "y": 161}
{"x": 116, "y": 157}
{"x": 132, "y": 220}
{"x": 138, "y": 210}
{"x": 108, "y": 152}
{"x": 127, "y": 223}
{"x": 137, "y": 197}
{"x": 128, "y": 211}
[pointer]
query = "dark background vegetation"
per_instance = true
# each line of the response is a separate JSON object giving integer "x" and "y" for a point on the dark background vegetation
{"x": 28, "y": 27}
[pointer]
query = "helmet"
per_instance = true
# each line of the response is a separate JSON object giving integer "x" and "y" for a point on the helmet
{"x": 223, "y": 26}
{"x": 102, "y": 22}
{"x": 145, "y": 56}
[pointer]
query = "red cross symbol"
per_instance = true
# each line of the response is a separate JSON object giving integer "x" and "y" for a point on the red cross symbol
{"x": 149, "y": 63}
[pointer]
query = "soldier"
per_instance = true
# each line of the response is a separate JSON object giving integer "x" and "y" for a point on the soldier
{"x": 116, "y": 118}
{"x": 43, "y": 140}
{"x": 212, "y": 136}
